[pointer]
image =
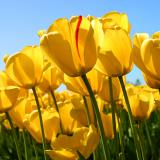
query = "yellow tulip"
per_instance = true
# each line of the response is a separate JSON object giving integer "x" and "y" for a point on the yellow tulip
{"x": 146, "y": 56}
{"x": 5, "y": 58}
{"x": 6, "y": 124}
{"x": 141, "y": 106}
{"x": 114, "y": 18}
{"x": 114, "y": 58}
{"x": 77, "y": 85}
{"x": 26, "y": 67}
{"x": 73, "y": 40}
{"x": 136, "y": 51}
{"x": 150, "y": 56}
{"x": 8, "y": 93}
{"x": 68, "y": 119}
{"x": 21, "y": 108}
{"x": 50, "y": 123}
{"x": 81, "y": 140}
{"x": 51, "y": 80}
{"x": 98, "y": 31}
{"x": 41, "y": 32}
{"x": 156, "y": 35}
{"x": 151, "y": 82}
{"x": 105, "y": 93}
{"x": 141, "y": 102}
{"x": 62, "y": 154}
{"x": 106, "y": 120}
{"x": 63, "y": 95}
{"x": 79, "y": 108}
{"x": 8, "y": 98}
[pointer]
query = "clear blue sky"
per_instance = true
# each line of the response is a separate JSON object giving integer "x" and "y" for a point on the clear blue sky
{"x": 21, "y": 19}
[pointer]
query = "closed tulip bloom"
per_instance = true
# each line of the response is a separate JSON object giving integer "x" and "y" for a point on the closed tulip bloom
{"x": 114, "y": 58}
{"x": 81, "y": 140}
{"x": 21, "y": 108}
{"x": 51, "y": 124}
{"x": 79, "y": 108}
{"x": 141, "y": 101}
{"x": 114, "y": 18}
{"x": 73, "y": 39}
{"x": 156, "y": 35}
{"x": 106, "y": 120}
{"x": 8, "y": 98}
{"x": 142, "y": 105}
{"x": 146, "y": 56}
{"x": 8, "y": 93}
{"x": 77, "y": 85}
{"x": 105, "y": 93}
{"x": 63, "y": 96}
{"x": 150, "y": 56}
{"x": 136, "y": 51}
{"x": 26, "y": 67}
{"x": 68, "y": 119}
{"x": 52, "y": 79}
{"x": 108, "y": 125}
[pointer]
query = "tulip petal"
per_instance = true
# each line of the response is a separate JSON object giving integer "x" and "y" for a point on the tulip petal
{"x": 62, "y": 154}
{"x": 57, "y": 49}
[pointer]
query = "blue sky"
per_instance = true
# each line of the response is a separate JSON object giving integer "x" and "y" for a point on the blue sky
{"x": 20, "y": 19}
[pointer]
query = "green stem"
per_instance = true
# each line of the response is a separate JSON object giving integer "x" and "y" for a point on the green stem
{"x": 120, "y": 135}
{"x": 57, "y": 109}
{"x": 113, "y": 106}
{"x": 98, "y": 117}
{"x": 87, "y": 110}
{"x": 148, "y": 137}
{"x": 96, "y": 154}
{"x": 141, "y": 141}
{"x": 132, "y": 122}
{"x": 41, "y": 121}
{"x": 55, "y": 101}
{"x": 25, "y": 145}
{"x": 14, "y": 136}
{"x": 35, "y": 150}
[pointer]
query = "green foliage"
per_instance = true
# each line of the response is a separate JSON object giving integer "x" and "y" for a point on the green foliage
{"x": 8, "y": 150}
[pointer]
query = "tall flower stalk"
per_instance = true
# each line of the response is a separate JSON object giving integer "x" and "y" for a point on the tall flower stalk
{"x": 98, "y": 117}
{"x": 25, "y": 145}
{"x": 132, "y": 122}
{"x": 57, "y": 109}
{"x": 41, "y": 121}
{"x": 113, "y": 106}
{"x": 87, "y": 110}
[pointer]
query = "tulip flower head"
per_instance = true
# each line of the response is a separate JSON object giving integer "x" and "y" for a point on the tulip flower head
{"x": 114, "y": 18}
{"x": 141, "y": 101}
{"x": 81, "y": 140}
{"x": 146, "y": 56}
{"x": 8, "y": 92}
{"x": 26, "y": 67}
{"x": 71, "y": 45}
{"x": 52, "y": 79}
{"x": 77, "y": 85}
{"x": 114, "y": 58}
{"x": 50, "y": 117}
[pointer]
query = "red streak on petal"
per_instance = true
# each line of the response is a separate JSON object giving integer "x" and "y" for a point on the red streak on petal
{"x": 77, "y": 31}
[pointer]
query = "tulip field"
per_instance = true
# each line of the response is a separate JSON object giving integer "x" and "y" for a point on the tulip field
{"x": 99, "y": 116}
